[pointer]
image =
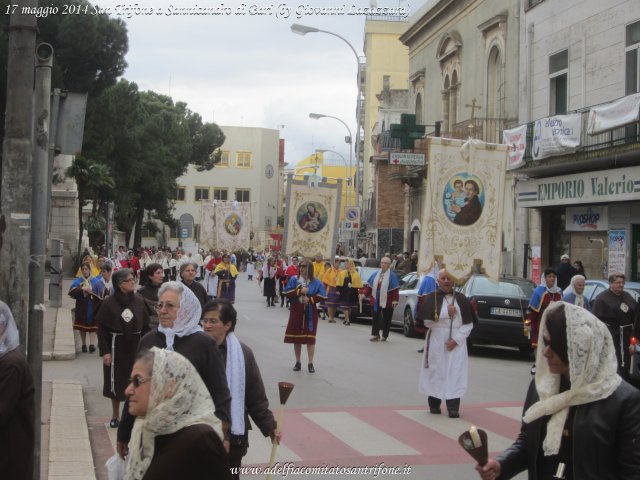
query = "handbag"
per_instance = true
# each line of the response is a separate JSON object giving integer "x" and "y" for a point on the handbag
{"x": 115, "y": 467}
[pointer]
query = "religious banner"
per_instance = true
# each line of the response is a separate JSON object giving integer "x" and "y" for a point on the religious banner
{"x": 462, "y": 214}
{"x": 612, "y": 115}
{"x": 226, "y": 226}
{"x": 557, "y": 135}
{"x": 312, "y": 217}
{"x": 516, "y": 140}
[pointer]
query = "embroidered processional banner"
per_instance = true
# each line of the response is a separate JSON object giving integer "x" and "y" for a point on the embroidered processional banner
{"x": 462, "y": 208}
{"x": 226, "y": 226}
{"x": 312, "y": 217}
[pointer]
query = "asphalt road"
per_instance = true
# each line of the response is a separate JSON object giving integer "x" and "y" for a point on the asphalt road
{"x": 361, "y": 407}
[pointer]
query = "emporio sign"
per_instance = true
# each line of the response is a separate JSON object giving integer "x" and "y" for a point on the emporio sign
{"x": 593, "y": 187}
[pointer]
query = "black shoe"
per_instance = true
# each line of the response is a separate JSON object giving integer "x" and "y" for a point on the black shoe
{"x": 92, "y": 349}
{"x": 311, "y": 369}
{"x": 435, "y": 410}
{"x": 533, "y": 369}
{"x": 297, "y": 367}
{"x": 453, "y": 414}
{"x": 84, "y": 349}
{"x": 114, "y": 423}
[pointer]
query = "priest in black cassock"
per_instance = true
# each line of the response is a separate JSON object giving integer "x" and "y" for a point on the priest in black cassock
{"x": 616, "y": 309}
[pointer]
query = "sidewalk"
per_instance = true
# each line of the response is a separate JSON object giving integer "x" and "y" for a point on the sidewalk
{"x": 65, "y": 449}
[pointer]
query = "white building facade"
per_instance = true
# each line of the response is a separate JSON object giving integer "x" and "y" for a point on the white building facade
{"x": 250, "y": 171}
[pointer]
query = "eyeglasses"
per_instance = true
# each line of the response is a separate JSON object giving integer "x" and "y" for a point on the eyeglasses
{"x": 167, "y": 305}
{"x": 137, "y": 381}
{"x": 128, "y": 280}
{"x": 212, "y": 321}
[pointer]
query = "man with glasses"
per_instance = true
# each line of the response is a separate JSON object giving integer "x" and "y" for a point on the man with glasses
{"x": 384, "y": 290}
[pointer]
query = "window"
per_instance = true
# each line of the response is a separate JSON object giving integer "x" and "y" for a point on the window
{"x": 632, "y": 67}
{"x": 202, "y": 194}
{"x": 180, "y": 193}
{"x": 196, "y": 231}
{"x": 173, "y": 233}
{"x": 242, "y": 195}
{"x": 224, "y": 159}
{"x": 243, "y": 159}
{"x": 558, "y": 91}
{"x": 220, "y": 194}
{"x": 148, "y": 232}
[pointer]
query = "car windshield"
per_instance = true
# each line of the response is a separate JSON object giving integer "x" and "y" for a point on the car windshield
{"x": 505, "y": 288}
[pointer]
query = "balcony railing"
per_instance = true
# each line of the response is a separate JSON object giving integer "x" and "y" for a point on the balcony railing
{"x": 485, "y": 129}
{"x": 612, "y": 142}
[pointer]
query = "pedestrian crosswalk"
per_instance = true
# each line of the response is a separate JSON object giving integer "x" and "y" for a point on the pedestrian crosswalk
{"x": 396, "y": 435}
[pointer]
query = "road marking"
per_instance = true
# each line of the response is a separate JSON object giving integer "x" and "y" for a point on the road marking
{"x": 260, "y": 450}
{"x": 453, "y": 427}
{"x": 514, "y": 413}
{"x": 359, "y": 435}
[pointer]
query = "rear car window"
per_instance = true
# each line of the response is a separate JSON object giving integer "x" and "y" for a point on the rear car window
{"x": 486, "y": 286}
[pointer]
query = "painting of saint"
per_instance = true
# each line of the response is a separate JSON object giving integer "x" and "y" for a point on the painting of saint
{"x": 464, "y": 199}
{"x": 312, "y": 217}
{"x": 233, "y": 224}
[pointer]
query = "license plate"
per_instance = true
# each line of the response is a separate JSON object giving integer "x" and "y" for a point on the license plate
{"x": 506, "y": 312}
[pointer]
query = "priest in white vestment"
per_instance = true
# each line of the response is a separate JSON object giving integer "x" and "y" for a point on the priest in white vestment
{"x": 445, "y": 362}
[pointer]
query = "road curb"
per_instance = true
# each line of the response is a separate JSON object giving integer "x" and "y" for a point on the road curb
{"x": 69, "y": 447}
{"x": 64, "y": 345}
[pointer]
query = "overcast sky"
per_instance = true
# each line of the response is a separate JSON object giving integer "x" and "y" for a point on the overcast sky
{"x": 251, "y": 70}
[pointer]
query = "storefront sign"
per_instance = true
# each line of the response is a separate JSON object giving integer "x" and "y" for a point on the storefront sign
{"x": 557, "y": 135}
{"x": 406, "y": 159}
{"x": 618, "y": 185}
{"x": 615, "y": 114}
{"x": 516, "y": 140}
{"x": 586, "y": 219}
{"x": 617, "y": 251}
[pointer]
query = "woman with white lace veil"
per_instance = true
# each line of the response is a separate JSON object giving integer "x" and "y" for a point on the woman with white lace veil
{"x": 179, "y": 314}
{"x": 173, "y": 435}
{"x": 581, "y": 419}
{"x": 16, "y": 403}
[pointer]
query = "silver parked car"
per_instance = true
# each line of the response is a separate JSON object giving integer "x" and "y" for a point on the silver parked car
{"x": 404, "y": 313}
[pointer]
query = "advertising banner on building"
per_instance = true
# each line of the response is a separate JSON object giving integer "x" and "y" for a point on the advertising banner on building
{"x": 557, "y": 135}
{"x": 516, "y": 140}
{"x": 312, "y": 217}
{"x": 617, "y": 251}
{"x": 226, "y": 226}
{"x": 586, "y": 219}
{"x": 462, "y": 216}
{"x": 615, "y": 114}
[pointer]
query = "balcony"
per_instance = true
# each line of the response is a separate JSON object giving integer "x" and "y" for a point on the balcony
{"x": 595, "y": 152}
{"x": 486, "y": 129}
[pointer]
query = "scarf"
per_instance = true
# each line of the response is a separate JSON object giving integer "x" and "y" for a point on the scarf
{"x": 592, "y": 372}
{"x": 9, "y": 337}
{"x": 237, "y": 383}
{"x": 178, "y": 398}
{"x": 388, "y": 282}
{"x": 579, "y": 301}
{"x": 188, "y": 320}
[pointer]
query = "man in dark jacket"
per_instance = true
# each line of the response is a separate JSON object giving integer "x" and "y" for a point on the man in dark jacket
{"x": 565, "y": 272}
{"x": 581, "y": 420}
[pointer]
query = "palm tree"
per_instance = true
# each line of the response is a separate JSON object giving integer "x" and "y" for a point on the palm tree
{"x": 94, "y": 182}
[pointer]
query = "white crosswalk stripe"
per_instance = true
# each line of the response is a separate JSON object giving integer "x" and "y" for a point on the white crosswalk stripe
{"x": 359, "y": 435}
{"x": 453, "y": 427}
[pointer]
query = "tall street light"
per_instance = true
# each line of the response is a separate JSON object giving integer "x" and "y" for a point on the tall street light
{"x": 349, "y": 140}
{"x": 303, "y": 30}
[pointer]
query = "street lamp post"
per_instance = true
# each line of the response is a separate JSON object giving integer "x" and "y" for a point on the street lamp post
{"x": 303, "y": 30}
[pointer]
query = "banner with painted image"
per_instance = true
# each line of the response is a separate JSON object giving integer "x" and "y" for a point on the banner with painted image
{"x": 516, "y": 140}
{"x": 312, "y": 217}
{"x": 557, "y": 135}
{"x": 226, "y": 226}
{"x": 462, "y": 207}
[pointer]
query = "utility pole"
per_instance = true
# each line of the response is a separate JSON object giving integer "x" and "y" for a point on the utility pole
{"x": 44, "y": 62}
{"x": 17, "y": 156}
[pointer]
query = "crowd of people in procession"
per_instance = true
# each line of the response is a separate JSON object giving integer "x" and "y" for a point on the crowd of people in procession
{"x": 171, "y": 356}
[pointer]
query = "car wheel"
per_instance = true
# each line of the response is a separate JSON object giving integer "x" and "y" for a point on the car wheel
{"x": 408, "y": 325}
